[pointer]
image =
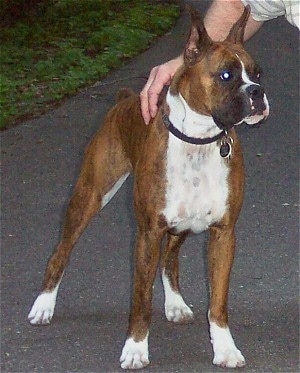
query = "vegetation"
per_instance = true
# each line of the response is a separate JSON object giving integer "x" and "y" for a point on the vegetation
{"x": 62, "y": 45}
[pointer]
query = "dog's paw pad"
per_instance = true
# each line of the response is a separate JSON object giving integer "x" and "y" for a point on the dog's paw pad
{"x": 42, "y": 310}
{"x": 180, "y": 314}
{"x": 134, "y": 354}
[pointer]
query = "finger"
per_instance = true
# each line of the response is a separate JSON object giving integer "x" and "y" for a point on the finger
{"x": 155, "y": 89}
{"x": 145, "y": 108}
{"x": 144, "y": 97}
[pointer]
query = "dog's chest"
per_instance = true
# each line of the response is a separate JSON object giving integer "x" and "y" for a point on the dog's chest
{"x": 197, "y": 187}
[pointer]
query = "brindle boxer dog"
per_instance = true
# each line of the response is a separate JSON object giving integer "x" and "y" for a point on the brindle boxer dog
{"x": 189, "y": 176}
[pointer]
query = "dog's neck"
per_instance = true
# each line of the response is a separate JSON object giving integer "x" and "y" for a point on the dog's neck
{"x": 187, "y": 120}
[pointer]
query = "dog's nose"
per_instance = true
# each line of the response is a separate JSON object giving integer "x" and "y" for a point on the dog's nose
{"x": 255, "y": 91}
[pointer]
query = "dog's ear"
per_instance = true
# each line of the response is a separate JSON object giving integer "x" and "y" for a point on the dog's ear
{"x": 198, "y": 40}
{"x": 236, "y": 34}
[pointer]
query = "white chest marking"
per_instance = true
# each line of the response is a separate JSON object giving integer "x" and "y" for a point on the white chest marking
{"x": 197, "y": 188}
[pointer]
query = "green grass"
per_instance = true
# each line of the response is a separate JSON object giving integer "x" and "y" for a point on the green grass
{"x": 71, "y": 44}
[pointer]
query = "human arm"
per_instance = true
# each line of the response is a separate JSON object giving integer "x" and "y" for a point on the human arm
{"x": 222, "y": 14}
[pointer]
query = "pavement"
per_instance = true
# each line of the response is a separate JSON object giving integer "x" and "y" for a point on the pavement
{"x": 40, "y": 161}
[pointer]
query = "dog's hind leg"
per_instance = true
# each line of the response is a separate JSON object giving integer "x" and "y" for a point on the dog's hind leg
{"x": 103, "y": 172}
{"x": 176, "y": 309}
{"x": 83, "y": 205}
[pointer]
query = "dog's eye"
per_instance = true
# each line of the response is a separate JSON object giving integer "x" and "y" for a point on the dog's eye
{"x": 255, "y": 77}
{"x": 226, "y": 75}
{"x": 258, "y": 76}
{"x": 257, "y": 73}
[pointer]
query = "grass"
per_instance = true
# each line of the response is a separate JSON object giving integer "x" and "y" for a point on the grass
{"x": 70, "y": 44}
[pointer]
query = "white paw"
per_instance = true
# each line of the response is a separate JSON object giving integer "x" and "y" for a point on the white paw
{"x": 43, "y": 308}
{"x": 179, "y": 313}
{"x": 135, "y": 354}
{"x": 176, "y": 309}
{"x": 226, "y": 354}
{"x": 229, "y": 359}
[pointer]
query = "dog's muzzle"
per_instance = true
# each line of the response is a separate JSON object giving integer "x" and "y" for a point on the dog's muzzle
{"x": 259, "y": 106}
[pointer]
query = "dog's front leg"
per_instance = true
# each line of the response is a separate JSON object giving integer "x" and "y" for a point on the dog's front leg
{"x": 221, "y": 254}
{"x": 147, "y": 252}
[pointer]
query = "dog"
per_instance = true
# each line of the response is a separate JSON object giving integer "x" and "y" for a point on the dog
{"x": 189, "y": 177}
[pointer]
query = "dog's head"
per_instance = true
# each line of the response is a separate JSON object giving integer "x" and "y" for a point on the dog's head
{"x": 220, "y": 79}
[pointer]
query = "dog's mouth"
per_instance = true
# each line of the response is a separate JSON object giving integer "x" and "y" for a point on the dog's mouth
{"x": 259, "y": 111}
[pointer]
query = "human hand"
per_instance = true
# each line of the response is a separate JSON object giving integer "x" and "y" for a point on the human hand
{"x": 159, "y": 77}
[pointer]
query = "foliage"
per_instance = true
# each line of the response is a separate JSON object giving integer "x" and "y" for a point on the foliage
{"x": 72, "y": 43}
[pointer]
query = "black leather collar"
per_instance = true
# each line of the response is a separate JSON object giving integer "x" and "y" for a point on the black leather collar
{"x": 191, "y": 140}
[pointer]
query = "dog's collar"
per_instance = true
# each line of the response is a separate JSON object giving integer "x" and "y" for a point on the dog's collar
{"x": 226, "y": 141}
{"x": 191, "y": 140}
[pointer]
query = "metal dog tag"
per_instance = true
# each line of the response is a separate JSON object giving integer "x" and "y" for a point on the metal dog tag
{"x": 226, "y": 147}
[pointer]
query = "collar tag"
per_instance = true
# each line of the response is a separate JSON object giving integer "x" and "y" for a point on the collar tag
{"x": 226, "y": 146}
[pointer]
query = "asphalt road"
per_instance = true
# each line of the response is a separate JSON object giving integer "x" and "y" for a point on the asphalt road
{"x": 40, "y": 162}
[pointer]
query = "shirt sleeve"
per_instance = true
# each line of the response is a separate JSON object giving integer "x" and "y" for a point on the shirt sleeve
{"x": 264, "y": 10}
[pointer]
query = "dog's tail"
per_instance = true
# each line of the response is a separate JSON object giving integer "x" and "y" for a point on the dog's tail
{"x": 124, "y": 93}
